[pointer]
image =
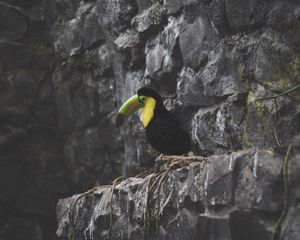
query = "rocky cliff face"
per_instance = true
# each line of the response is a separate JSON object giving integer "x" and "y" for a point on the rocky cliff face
{"x": 32, "y": 173}
{"x": 66, "y": 66}
{"x": 211, "y": 60}
{"x": 232, "y": 196}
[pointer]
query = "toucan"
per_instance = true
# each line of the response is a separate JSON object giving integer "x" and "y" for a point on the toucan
{"x": 163, "y": 130}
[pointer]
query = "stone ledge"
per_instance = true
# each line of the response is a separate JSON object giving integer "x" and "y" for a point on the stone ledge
{"x": 224, "y": 197}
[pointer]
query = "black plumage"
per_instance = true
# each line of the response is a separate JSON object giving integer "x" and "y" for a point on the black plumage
{"x": 164, "y": 132}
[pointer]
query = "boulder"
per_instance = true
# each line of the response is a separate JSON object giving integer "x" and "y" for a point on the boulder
{"x": 217, "y": 198}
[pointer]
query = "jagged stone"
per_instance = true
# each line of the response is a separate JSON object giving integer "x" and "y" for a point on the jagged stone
{"x": 172, "y": 6}
{"x": 66, "y": 8}
{"x": 116, "y": 16}
{"x": 67, "y": 65}
{"x": 219, "y": 129}
{"x": 196, "y": 38}
{"x": 163, "y": 57}
{"x": 215, "y": 195}
{"x": 246, "y": 15}
{"x": 144, "y": 4}
{"x": 261, "y": 122}
{"x": 148, "y": 18}
{"x": 190, "y": 89}
{"x": 275, "y": 65}
{"x": 223, "y": 73}
{"x": 287, "y": 21}
{"x": 216, "y": 12}
{"x": 83, "y": 31}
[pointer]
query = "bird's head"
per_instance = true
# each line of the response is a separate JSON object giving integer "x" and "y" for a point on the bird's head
{"x": 147, "y": 100}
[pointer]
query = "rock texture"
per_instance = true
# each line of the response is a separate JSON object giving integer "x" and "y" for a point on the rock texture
{"x": 66, "y": 66}
{"x": 32, "y": 173}
{"x": 231, "y": 196}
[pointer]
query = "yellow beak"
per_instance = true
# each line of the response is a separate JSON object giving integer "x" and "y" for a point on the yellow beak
{"x": 148, "y": 111}
{"x": 127, "y": 109}
{"x": 132, "y": 105}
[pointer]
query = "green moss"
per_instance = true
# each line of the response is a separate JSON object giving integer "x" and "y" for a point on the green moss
{"x": 151, "y": 16}
{"x": 280, "y": 84}
{"x": 283, "y": 70}
{"x": 245, "y": 138}
{"x": 155, "y": 13}
{"x": 260, "y": 114}
{"x": 251, "y": 98}
{"x": 259, "y": 108}
{"x": 240, "y": 73}
{"x": 285, "y": 74}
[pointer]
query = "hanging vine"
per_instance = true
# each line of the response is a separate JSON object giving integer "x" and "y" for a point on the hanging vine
{"x": 277, "y": 228}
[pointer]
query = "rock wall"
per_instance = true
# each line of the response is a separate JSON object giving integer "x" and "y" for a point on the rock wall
{"x": 210, "y": 60}
{"x": 32, "y": 173}
{"x": 227, "y": 197}
{"x": 66, "y": 66}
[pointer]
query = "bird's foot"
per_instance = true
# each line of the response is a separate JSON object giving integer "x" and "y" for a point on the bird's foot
{"x": 159, "y": 160}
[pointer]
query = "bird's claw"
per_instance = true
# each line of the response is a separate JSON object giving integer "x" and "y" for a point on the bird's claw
{"x": 159, "y": 160}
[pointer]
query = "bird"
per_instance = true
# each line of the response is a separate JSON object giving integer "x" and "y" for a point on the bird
{"x": 162, "y": 128}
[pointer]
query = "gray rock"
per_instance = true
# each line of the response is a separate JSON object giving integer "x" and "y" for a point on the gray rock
{"x": 246, "y": 15}
{"x": 287, "y": 21}
{"x": 163, "y": 57}
{"x": 14, "y": 22}
{"x": 290, "y": 228}
{"x": 261, "y": 122}
{"x": 144, "y": 4}
{"x": 67, "y": 65}
{"x": 84, "y": 30}
{"x": 196, "y": 39}
{"x": 66, "y": 8}
{"x": 216, "y": 13}
{"x": 208, "y": 199}
{"x": 69, "y": 114}
{"x": 220, "y": 75}
{"x": 12, "y": 138}
{"x": 116, "y": 16}
{"x": 220, "y": 129}
{"x": 148, "y": 18}
{"x": 17, "y": 93}
{"x": 243, "y": 223}
{"x": 81, "y": 155}
{"x": 189, "y": 90}
{"x": 172, "y": 6}
{"x": 127, "y": 40}
{"x": 22, "y": 3}
{"x": 14, "y": 54}
{"x": 31, "y": 228}
{"x": 276, "y": 67}
{"x": 250, "y": 192}
{"x": 155, "y": 59}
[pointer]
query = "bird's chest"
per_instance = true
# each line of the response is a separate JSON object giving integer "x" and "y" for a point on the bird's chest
{"x": 158, "y": 133}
